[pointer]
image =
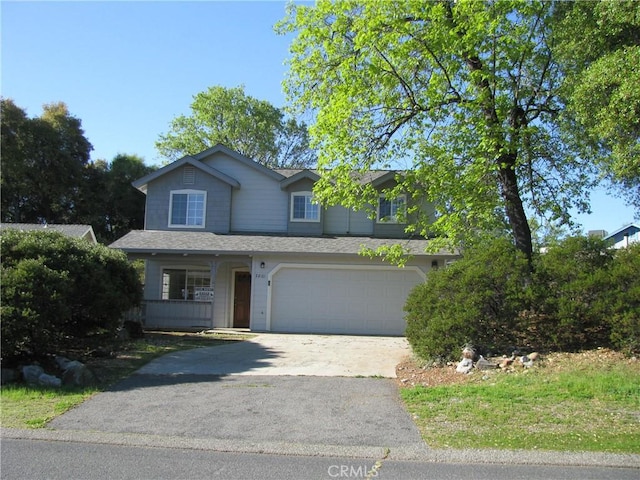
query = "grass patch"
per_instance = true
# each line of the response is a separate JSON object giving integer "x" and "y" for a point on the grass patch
{"x": 562, "y": 404}
{"x": 33, "y": 407}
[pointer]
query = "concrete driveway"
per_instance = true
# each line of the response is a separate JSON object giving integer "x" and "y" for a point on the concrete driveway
{"x": 289, "y": 354}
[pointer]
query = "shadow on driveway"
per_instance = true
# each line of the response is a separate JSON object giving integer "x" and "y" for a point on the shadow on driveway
{"x": 234, "y": 358}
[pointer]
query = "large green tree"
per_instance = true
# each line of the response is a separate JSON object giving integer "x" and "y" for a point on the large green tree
{"x": 252, "y": 127}
{"x": 43, "y": 161}
{"x": 464, "y": 93}
{"x": 108, "y": 202}
{"x": 598, "y": 44}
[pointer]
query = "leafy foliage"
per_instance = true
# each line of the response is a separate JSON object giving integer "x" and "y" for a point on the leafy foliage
{"x": 108, "y": 201}
{"x": 464, "y": 93}
{"x": 624, "y": 300}
{"x": 598, "y": 44}
{"x": 43, "y": 161}
{"x": 47, "y": 176}
{"x": 581, "y": 295}
{"x": 252, "y": 127}
{"x": 572, "y": 291}
{"x": 56, "y": 289}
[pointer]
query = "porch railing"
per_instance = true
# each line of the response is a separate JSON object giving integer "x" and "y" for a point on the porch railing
{"x": 178, "y": 314}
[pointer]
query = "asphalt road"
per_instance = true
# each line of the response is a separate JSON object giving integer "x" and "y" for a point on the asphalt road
{"x": 36, "y": 459}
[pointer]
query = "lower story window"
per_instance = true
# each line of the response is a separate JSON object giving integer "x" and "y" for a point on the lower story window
{"x": 181, "y": 284}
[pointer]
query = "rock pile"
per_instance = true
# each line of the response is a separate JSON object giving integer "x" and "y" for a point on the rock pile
{"x": 471, "y": 360}
{"x": 74, "y": 373}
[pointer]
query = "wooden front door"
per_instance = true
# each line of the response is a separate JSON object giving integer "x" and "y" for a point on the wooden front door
{"x": 241, "y": 299}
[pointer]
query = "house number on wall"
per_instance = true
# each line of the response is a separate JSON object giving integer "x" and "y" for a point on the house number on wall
{"x": 260, "y": 275}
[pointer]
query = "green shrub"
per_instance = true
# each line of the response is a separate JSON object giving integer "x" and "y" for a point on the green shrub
{"x": 572, "y": 292}
{"x": 624, "y": 300}
{"x": 58, "y": 289}
{"x": 476, "y": 300}
{"x": 34, "y": 307}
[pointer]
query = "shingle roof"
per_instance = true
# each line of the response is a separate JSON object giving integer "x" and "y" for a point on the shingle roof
{"x": 71, "y": 230}
{"x": 364, "y": 178}
{"x": 157, "y": 241}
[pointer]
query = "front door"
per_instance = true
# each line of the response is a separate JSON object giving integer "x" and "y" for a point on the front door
{"x": 241, "y": 299}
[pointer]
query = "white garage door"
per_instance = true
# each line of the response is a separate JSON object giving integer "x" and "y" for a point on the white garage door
{"x": 364, "y": 301}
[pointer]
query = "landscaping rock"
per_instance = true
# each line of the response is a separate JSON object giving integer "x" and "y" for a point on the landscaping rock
{"x": 62, "y": 362}
{"x": 34, "y": 375}
{"x": 506, "y": 362}
{"x": 484, "y": 364}
{"x": 31, "y": 373}
{"x": 78, "y": 374}
{"x": 47, "y": 380}
{"x": 465, "y": 365}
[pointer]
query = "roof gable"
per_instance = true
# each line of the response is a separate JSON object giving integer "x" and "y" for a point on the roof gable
{"x": 301, "y": 175}
{"x": 374, "y": 177}
{"x": 141, "y": 183}
{"x": 219, "y": 148}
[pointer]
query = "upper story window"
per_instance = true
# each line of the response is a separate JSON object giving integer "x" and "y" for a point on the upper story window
{"x": 303, "y": 208}
{"x": 187, "y": 208}
{"x": 391, "y": 210}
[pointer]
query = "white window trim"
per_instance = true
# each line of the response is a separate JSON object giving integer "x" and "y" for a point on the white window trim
{"x": 182, "y": 192}
{"x": 307, "y": 220}
{"x": 391, "y": 219}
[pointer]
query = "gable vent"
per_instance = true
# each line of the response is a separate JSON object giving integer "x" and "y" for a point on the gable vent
{"x": 189, "y": 175}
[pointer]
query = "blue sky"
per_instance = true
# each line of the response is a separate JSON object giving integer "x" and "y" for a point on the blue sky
{"x": 126, "y": 69}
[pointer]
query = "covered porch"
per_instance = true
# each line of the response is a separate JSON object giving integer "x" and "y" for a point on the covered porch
{"x": 195, "y": 292}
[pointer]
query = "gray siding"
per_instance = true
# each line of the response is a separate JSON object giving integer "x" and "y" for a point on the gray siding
{"x": 159, "y": 194}
{"x": 345, "y": 221}
{"x": 259, "y": 205}
{"x": 389, "y": 230}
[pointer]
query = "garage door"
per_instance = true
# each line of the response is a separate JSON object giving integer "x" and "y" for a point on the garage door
{"x": 322, "y": 299}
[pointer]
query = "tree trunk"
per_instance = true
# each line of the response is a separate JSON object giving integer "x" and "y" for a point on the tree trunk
{"x": 513, "y": 204}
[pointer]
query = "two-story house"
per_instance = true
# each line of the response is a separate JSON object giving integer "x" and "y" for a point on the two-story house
{"x": 230, "y": 243}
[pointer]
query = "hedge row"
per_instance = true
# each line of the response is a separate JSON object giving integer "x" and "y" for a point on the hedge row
{"x": 581, "y": 295}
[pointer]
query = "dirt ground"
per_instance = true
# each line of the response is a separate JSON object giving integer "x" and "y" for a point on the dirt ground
{"x": 410, "y": 373}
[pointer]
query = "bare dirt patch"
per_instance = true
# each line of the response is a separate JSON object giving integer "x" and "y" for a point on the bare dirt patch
{"x": 411, "y": 372}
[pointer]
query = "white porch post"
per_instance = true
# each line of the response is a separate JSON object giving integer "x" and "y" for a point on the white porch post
{"x": 213, "y": 267}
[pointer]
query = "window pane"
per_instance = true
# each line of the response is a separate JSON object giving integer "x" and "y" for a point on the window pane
{"x": 173, "y": 284}
{"x": 312, "y": 210}
{"x": 181, "y": 284}
{"x": 195, "y": 209}
{"x": 396, "y": 206}
{"x": 179, "y": 209}
{"x": 384, "y": 209}
{"x": 390, "y": 210}
{"x": 299, "y": 202}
